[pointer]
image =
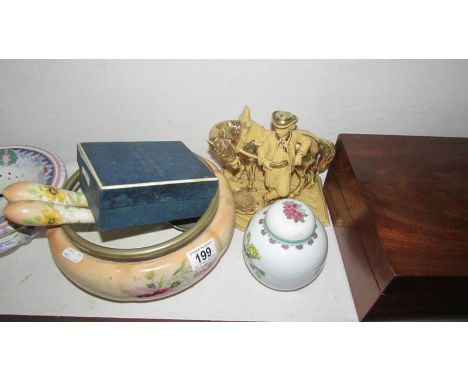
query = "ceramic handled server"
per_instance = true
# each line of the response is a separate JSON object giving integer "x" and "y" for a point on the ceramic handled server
{"x": 41, "y": 192}
{"x": 35, "y": 204}
{"x": 37, "y": 213}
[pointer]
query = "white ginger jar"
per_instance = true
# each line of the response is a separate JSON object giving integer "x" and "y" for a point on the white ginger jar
{"x": 285, "y": 245}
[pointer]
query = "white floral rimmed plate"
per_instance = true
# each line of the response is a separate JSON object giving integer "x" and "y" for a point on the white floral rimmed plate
{"x": 23, "y": 235}
{"x": 25, "y": 164}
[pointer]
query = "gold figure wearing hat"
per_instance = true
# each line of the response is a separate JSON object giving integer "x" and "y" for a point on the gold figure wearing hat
{"x": 281, "y": 151}
{"x": 262, "y": 165}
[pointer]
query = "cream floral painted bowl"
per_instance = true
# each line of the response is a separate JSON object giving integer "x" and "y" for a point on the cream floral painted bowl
{"x": 285, "y": 246}
{"x": 151, "y": 272}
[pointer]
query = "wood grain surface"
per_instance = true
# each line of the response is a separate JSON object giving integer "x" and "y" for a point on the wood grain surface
{"x": 403, "y": 203}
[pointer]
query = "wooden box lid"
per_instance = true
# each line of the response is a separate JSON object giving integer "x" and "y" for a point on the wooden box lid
{"x": 399, "y": 205}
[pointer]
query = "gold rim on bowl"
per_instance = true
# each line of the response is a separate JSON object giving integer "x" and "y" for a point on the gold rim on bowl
{"x": 143, "y": 253}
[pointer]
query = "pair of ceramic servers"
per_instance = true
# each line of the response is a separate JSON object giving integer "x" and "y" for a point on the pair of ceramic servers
{"x": 284, "y": 245}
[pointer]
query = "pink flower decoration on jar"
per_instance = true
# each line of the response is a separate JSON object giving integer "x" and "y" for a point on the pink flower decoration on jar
{"x": 294, "y": 211}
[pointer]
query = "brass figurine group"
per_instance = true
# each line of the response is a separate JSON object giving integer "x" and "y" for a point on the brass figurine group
{"x": 263, "y": 165}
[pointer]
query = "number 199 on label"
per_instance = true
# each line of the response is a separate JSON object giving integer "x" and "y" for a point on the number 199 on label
{"x": 202, "y": 255}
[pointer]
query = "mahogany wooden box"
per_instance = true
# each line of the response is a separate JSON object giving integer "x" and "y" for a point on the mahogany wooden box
{"x": 399, "y": 207}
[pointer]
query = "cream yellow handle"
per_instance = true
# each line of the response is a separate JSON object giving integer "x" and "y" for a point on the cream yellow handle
{"x": 44, "y": 193}
{"x": 38, "y": 213}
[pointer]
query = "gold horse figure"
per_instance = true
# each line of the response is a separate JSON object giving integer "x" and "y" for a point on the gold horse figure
{"x": 317, "y": 159}
{"x": 236, "y": 142}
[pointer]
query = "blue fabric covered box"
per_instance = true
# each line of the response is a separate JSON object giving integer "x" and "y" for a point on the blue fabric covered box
{"x": 134, "y": 183}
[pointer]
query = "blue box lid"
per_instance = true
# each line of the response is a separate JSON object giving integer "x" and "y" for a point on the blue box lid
{"x": 133, "y": 164}
{"x": 133, "y": 183}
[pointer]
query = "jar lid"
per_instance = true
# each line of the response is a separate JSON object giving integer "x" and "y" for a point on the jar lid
{"x": 290, "y": 221}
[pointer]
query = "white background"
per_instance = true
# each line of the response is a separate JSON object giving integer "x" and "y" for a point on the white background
{"x": 56, "y": 104}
